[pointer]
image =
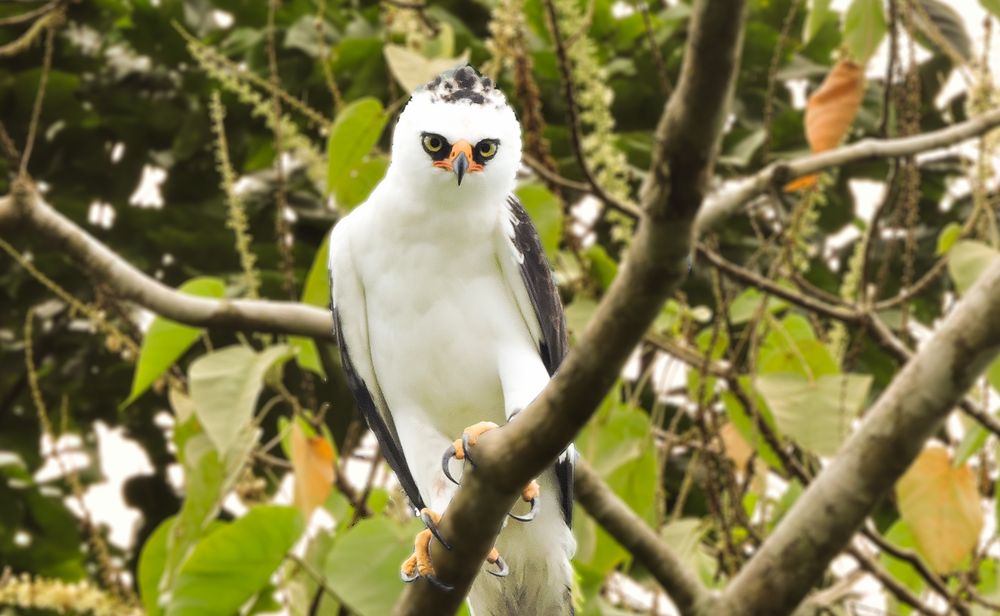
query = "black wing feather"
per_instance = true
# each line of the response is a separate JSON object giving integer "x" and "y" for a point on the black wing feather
{"x": 385, "y": 434}
{"x": 545, "y": 300}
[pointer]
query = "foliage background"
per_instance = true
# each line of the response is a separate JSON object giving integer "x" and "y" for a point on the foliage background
{"x": 160, "y": 131}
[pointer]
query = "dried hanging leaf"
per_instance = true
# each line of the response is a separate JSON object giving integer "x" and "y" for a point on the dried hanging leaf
{"x": 831, "y": 111}
{"x": 737, "y": 449}
{"x": 941, "y": 505}
{"x": 312, "y": 461}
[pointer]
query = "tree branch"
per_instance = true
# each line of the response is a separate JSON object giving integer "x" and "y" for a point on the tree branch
{"x": 25, "y": 206}
{"x": 686, "y": 142}
{"x": 892, "y": 434}
{"x": 721, "y": 206}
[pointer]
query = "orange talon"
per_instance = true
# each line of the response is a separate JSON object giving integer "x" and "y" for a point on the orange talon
{"x": 531, "y": 491}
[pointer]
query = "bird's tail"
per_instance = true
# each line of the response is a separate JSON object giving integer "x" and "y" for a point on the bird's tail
{"x": 538, "y": 554}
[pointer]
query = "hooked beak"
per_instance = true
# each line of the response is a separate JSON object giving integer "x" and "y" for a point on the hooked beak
{"x": 460, "y": 161}
{"x": 461, "y": 165}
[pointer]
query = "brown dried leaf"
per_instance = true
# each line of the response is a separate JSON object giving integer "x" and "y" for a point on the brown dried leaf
{"x": 312, "y": 461}
{"x": 941, "y": 504}
{"x": 831, "y": 111}
{"x": 737, "y": 449}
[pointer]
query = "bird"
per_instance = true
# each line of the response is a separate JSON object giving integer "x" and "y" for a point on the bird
{"x": 449, "y": 324}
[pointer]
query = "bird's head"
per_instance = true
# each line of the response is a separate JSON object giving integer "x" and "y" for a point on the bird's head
{"x": 458, "y": 138}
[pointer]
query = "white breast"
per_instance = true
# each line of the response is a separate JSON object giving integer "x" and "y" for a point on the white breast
{"x": 439, "y": 312}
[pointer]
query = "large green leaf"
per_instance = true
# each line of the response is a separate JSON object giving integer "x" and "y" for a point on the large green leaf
{"x": 864, "y": 29}
{"x": 208, "y": 477}
{"x": 618, "y": 445}
{"x": 167, "y": 340}
{"x": 315, "y": 292}
{"x": 363, "y": 565}
{"x": 232, "y": 564}
{"x": 819, "y": 13}
{"x": 225, "y": 385}
{"x": 901, "y": 536}
{"x": 152, "y": 562}
{"x": 967, "y": 260}
{"x": 361, "y": 181}
{"x": 546, "y": 213}
{"x": 940, "y": 21}
{"x": 412, "y": 70}
{"x": 791, "y": 347}
{"x": 353, "y": 135}
{"x": 816, "y": 413}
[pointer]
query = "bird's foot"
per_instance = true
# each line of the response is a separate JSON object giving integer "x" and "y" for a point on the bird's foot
{"x": 460, "y": 451}
{"x": 419, "y": 563}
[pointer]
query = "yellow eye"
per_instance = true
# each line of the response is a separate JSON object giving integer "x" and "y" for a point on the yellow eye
{"x": 433, "y": 143}
{"x": 487, "y": 149}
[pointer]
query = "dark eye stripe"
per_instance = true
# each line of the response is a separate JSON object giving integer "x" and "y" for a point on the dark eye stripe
{"x": 429, "y": 140}
{"x": 477, "y": 152}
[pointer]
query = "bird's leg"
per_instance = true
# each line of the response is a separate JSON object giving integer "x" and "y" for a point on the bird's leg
{"x": 419, "y": 563}
{"x": 460, "y": 451}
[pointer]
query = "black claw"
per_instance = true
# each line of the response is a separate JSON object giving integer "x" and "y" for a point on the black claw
{"x": 439, "y": 584}
{"x": 502, "y": 568}
{"x": 466, "y": 447}
{"x": 448, "y": 455}
{"x": 430, "y": 525}
{"x": 535, "y": 506}
{"x": 406, "y": 578}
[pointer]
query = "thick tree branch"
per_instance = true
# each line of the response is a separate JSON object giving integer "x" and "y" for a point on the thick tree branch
{"x": 26, "y": 207}
{"x": 893, "y": 432}
{"x": 723, "y": 205}
{"x": 686, "y": 141}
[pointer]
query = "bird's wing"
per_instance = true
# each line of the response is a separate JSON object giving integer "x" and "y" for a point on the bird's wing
{"x": 350, "y": 318}
{"x": 542, "y": 310}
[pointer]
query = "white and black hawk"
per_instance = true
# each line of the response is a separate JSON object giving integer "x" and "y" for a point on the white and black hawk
{"x": 447, "y": 317}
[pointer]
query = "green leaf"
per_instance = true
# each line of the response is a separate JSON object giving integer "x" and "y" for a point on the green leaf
{"x": 546, "y": 213}
{"x": 618, "y": 445}
{"x": 412, "y": 70}
{"x": 993, "y": 6}
{"x": 363, "y": 565}
{"x": 901, "y": 536}
{"x": 746, "y": 304}
{"x": 791, "y": 347}
{"x": 993, "y": 375}
{"x": 230, "y": 565}
{"x": 974, "y": 439}
{"x": 225, "y": 385}
{"x": 602, "y": 267}
{"x": 967, "y": 260}
{"x": 817, "y": 414}
{"x": 354, "y": 133}
{"x": 864, "y": 29}
{"x": 946, "y": 22}
{"x": 947, "y": 238}
{"x": 207, "y": 478}
{"x": 166, "y": 340}
{"x": 819, "y": 14}
{"x": 315, "y": 292}
{"x": 360, "y": 182}
{"x": 741, "y": 153}
{"x": 152, "y": 561}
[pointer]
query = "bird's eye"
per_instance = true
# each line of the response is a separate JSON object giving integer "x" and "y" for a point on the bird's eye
{"x": 433, "y": 143}
{"x": 487, "y": 149}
